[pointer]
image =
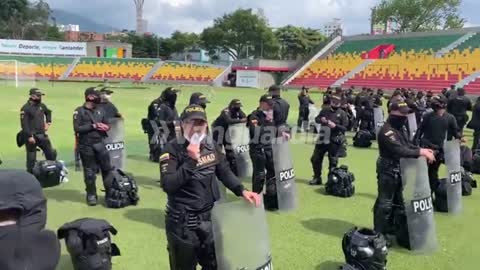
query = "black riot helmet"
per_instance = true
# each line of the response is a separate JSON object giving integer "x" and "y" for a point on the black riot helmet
{"x": 365, "y": 249}
{"x": 169, "y": 95}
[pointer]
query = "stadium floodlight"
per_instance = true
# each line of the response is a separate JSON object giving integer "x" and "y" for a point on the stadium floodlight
{"x": 140, "y": 23}
{"x": 17, "y": 73}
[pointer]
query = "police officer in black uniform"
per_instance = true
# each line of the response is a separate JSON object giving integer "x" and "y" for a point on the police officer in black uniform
{"x": 231, "y": 115}
{"x": 436, "y": 127}
{"x": 420, "y": 105}
{"x": 262, "y": 130}
{"x": 189, "y": 171}
{"x": 199, "y": 99}
{"x": 458, "y": 105}
{"x": 393, "y": 144}
{"x": 106, "y": 104}
{"x": 337, "y": 120}
{"x": 167, "y": 115}
{"x": 90, "y": 127}
{"x": 24, "y": 242}
{"x": 303, "y": 111}
{"x": 152, "y": 115}
{"x": 475, "y": 124}
{"x": 281, "y": 109}
{"x": 35, "y": 119}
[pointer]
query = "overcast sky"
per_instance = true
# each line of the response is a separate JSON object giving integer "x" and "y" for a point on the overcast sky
{"x": 166, "y": 16}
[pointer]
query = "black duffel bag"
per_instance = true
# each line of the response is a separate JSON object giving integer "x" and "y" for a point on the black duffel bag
{"x": 363, "y": 139}
{"x": 121, "y": 190}
{"x": 49, "y": 173}
{"x": 340, "y": 182}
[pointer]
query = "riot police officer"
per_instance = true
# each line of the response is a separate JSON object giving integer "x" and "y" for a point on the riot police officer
{"x": 189, "y": 172}
{"x": 436, "y": 127}
{"x": 458, "y": 105}
{"x": 167, "y": 115}
{"x": 393, "y": 144}
{"x": 106, "y": 104}
{"x": 337, "y": 121}
{"x": 281, "y": 109}
{"x": 475, "y": 124}
{"x": 24, "y": 242}
{"x": 231, "y": 115}
{"x": 152, "y": 115}
{"x": 90, "y": 127}
{"x": 35, "y": 119}
{"x": 262, "y": 130}
{"x": 304, "y": 101}
{"x": 199, "y": 99}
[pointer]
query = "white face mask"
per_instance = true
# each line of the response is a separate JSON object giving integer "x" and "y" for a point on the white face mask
{"x": 196, "y": 138}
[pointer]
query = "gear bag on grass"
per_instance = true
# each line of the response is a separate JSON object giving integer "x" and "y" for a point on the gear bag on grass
{"x": 476, "y": 162}
{"x": 363, "y": 139}
{"x": 121, "y": 190}
{"x": 50, "y": 173}
{"x": 340, "y": 182}
{"x": 89, "y": 244}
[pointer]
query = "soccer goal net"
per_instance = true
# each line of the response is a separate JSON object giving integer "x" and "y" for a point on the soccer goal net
{"x": 17, "y": 74}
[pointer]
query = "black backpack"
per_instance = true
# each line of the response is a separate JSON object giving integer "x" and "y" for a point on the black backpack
{"x": 121, "y": 190}
{"x": 475, "y": 168}
{"x": 440, "y": 201}
{"x": 466, "y": 157}
{"x": 363, "y": 139}
{"x": 468, "y": 183}
{"x": 49, "y": 173}
{"x": 340, "y": 182}
{"x": 89, "y": 244}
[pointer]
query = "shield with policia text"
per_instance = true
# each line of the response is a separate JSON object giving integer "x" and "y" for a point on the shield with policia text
{"x": 284, "y": 175}
{"x": 241, "y": 236}
{"x": 418, "y": 205}
{"x": 115, "y": 143}
{"x": 378, "y": 119}
{"x": 239, "y": 138}
{"x": 454, "y": 176}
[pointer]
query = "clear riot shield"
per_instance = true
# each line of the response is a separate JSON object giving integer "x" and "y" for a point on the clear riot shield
{"x": 412, "y": 125}
{"x": 239, "y": 138}
{"x": 324, "y": 134}
{"x": 378, "y": 118}
{"x": 313, "y": 112}
{"x": 222, "y": 189}
{"x": 284, "y": 175}
{"x": 241, "y": 236}
{"x": 454, "y": 177}
{"x": 418, "y": 205}
{"x": 115, "y": 143}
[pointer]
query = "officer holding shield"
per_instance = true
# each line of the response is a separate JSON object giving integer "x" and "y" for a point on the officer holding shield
{"x": 106, "y": 104}
{"x": 281, "y": 109}
{"x": 336, "y": 120}
{"x": 189, "y": 171}
{"x": 167, "y": 115}
{"x": 262, "y": 132}
{"x": 393, "y": 145}
{"x": 303, "y": 110}
{"x": 35, "y": 119}
{"x": 90, "y": 127}
{"x": 231, "y": 115}
{"x": 436, "y": 127}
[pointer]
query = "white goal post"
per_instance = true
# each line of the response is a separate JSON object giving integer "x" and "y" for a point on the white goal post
{"x": 16, "y": 73}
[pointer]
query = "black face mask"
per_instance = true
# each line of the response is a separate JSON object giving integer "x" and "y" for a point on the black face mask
{"x": 37, "y": 100}
{"x": 397, "y": 121}
{"x": 203, "y": 105}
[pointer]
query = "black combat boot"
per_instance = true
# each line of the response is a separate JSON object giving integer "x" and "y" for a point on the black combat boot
{"x": 316, "y": 181}
{"x": 92, "y": 199}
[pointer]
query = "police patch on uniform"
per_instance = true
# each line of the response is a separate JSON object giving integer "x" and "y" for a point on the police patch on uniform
{"x": 388, "y": 133}
{"x": 75, "y": 113}
{"x": 22, "y": 114}
{"x": 164, "y": 157}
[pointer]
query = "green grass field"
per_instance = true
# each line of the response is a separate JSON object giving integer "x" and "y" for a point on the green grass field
{"x": 309, "y": 238}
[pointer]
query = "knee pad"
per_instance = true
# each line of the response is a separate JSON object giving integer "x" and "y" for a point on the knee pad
{"x": 90, "y": 175}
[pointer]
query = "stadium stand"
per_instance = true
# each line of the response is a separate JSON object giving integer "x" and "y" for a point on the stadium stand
{"x": 113, "y": 69}
{"x": 42, "y": 68}
{"x": 411, "y": 64}
{"x": 176, "y": 71}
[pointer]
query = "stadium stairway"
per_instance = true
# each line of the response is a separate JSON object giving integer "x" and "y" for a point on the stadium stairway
{"x": 70, "y": 68}
{"x": 152, "y": 71}
{"x": 471, "y": 83}
{"x": 353, "y": 72}
{"x": 455, "y": 44}
{"x": 328, "y": 49}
